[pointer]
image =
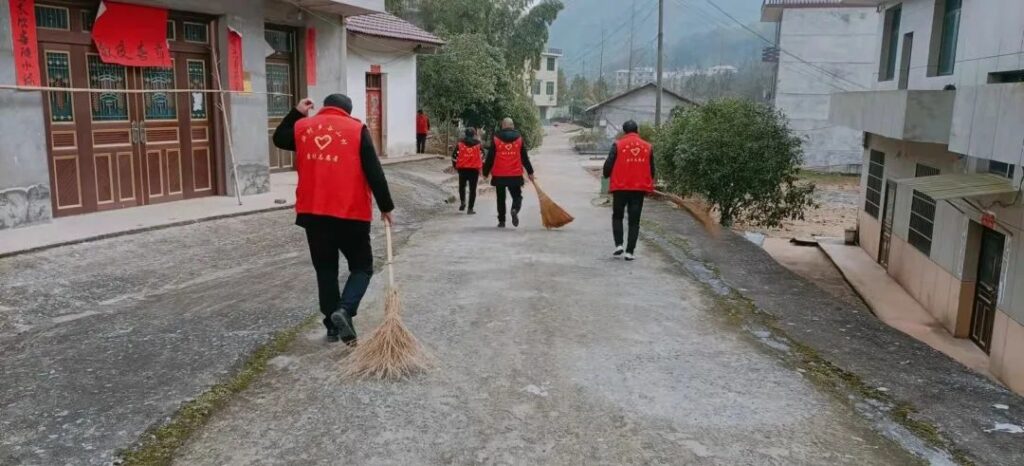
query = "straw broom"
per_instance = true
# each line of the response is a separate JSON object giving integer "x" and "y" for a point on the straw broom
{"x": 551, "y": 214}
{"x": 696, "y": 210}
{"x": 392, "y": 351}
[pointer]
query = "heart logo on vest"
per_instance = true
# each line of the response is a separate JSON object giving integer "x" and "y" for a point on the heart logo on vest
{"x": 635, "y": 151}
{"x": 508, "y": 147}
{"x": 322, "y": 141}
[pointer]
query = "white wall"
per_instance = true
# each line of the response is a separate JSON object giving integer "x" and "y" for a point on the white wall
{"x": 398, "y": 65}
{"x": 991, "y": 34}
{"x": 839, "y": 44}
{"x": 638, "y": 106}
{"x": 545, "y": 76}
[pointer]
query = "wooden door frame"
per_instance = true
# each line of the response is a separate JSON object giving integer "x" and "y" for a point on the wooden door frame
{"x": 77, "y": 36}
{"x": 297, "y": 61}
{"x": 887, "y": 195}
{"x": 987, "y": 322}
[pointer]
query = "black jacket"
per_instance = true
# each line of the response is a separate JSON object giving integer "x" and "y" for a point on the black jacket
{"x": 609, "y": 163}
{"x": 284, "y": 139}
{"x": 467, "y": 141}
{"x": 507, "y": 135}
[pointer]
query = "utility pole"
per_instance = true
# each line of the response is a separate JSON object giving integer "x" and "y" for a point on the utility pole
{"x": 632, "y": 26}
{"x": 661, "y": 84}
{"x": 600, "y": 76}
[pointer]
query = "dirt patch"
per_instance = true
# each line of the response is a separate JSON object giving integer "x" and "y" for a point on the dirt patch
{"x": 837, "y": 198}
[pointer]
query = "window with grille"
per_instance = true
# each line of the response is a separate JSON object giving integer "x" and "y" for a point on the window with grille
{"x": 922, "y": 215}
{"x": 551, "y": 64}
{"x": 373, "y": 81}
{"x": 550, "y": 88}
{"x": 890, "y": 41}
{"x": 536, "y": 87}
{"x": 876, "y": 171}
{"x": 1001, "y": 169}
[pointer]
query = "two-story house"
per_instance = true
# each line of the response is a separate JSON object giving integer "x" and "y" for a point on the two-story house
{"x": 943, "y": 138}
{"x": 542, "y": 82}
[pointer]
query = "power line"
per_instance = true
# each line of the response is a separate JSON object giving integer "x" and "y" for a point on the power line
{"x": 772, "y": 43}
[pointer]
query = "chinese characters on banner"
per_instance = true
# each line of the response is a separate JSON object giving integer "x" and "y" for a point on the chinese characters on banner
{"x": 311, "y": 56}
{"x": 131, "y": 35}
{"x": 236, "y": 80}
{"x": 23, "y": 35}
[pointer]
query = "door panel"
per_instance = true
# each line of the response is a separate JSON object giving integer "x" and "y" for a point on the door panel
{"x": 375, "y": 111}
{"x": 281, "y": 75}
{"x": 908, "y": 48}
{"x": 110, "y": 150}
{"x": 986, "y": 296}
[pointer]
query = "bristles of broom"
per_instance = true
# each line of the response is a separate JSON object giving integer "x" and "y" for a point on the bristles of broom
{"x": 392, "y": 351}
{"x": 551, "y": 215}
{"x": 696, "y": 210}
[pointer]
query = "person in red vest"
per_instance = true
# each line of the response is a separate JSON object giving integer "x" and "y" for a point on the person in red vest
{"x": 338, "y": 170}
{"x": 630, "y": 167}
{"x": 506, "y": 161}
{"x": 467, "y": 158}
{"x": 422, "y": 128}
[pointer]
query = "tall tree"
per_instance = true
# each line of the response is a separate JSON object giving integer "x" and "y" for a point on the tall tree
{"x": 563, "y": 88}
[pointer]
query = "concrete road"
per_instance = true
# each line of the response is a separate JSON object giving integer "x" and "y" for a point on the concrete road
{"x": 101, "y": 340}
{"x": 549, "y": 351}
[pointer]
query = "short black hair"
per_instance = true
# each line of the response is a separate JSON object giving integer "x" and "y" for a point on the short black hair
{"x": 630, "y": 127}
{"x": 419, "y": 111}
{"x": 339, "y": 101}
{"x": 470, "y": 132}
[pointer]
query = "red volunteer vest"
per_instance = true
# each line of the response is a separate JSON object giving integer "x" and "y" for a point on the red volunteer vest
{"x": 422, "y": 124}
{"x": 331, "y": 178}
{"x": 469, "y": 157}
{"x": 632, "y": 171}
{"x": 508, "y": 160}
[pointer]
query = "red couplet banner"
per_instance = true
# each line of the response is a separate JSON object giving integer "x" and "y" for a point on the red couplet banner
{"x": 26, "y": 49}
{"x": 131, "y": 35}
{"x": 236, "y": 80}
{"x": 311, "y": 56}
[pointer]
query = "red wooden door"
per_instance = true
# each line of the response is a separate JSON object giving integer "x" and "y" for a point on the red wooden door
{"x": 375, "y": 111}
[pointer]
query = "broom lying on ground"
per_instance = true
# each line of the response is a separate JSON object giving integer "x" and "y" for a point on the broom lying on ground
{"x": 392, "y": 351}
{"x": 696, "y": 210}
{"x": 551, "y": 215}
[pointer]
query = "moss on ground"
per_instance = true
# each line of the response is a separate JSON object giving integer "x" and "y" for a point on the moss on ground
{"x": 741, "y": 312}
{"x": 157, "y": 447}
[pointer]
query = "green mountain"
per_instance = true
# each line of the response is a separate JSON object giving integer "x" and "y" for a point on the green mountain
{"x": 696, "y": 34}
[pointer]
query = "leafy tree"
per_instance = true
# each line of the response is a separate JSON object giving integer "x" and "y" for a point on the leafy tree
{"x": 601, "y": 90}
{"x": 579, "y": 97}
{"x": 458, "y": 78}
{"x": 518, "y": 27}
{"x": 739, "y": 155}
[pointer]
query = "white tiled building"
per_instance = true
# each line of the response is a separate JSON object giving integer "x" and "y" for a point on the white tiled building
{"x": 943, "y": 132}
{"x": 542, "y": 82}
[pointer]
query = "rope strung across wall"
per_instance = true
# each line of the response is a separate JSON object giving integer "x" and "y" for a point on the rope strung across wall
{"x": 11, "y": 87}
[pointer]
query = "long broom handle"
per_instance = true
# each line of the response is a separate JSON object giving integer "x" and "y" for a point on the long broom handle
{"x": 391, "y": 269}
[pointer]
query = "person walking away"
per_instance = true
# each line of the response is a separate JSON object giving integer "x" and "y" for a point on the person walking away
{"x": 467, "y": 158}
{"x": 338, "y": 170}
{"x": 630, "y": 167}
{"x": 505, "y": 163}
{"x": 422, "y": 128}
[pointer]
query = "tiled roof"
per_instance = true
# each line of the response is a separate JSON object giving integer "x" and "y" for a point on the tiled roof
{"x": 390, "y": 27}
{"x": 817, "y": 3}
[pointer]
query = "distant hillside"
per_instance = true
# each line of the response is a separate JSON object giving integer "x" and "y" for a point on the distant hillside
{"x": 690, "y": 33}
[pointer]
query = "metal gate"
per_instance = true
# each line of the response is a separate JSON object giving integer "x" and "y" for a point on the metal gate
{"x": 888, "y": 213}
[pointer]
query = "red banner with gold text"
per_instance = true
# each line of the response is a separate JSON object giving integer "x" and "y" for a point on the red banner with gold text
{"x": 236, "y": 79}
{"x": 311, "y": 56}
{"x": 23, "y": 36}
{"x": 131, "y": 35}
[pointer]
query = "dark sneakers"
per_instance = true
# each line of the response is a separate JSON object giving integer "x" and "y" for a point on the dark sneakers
{"x": 343, "y": 324}
{"x": 462, "y": 207}
{"x": 515, "y": 218}
{"x": 501, "y": 223}
{"x": 471, "y": 212}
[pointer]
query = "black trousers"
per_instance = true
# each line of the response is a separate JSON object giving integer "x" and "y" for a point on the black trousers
{"x": 351, "y": 239}
{"x": 421, "y": 143}
{"x": 633, "y": 202}
{"x": 468, "y": 177}
{"x": 517, "y": 199}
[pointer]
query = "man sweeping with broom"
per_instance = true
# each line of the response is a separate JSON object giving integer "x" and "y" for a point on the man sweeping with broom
{"x": 338, "y": 169}
{"x": 630, "y": 167}
{"x": 506, "y": 161}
